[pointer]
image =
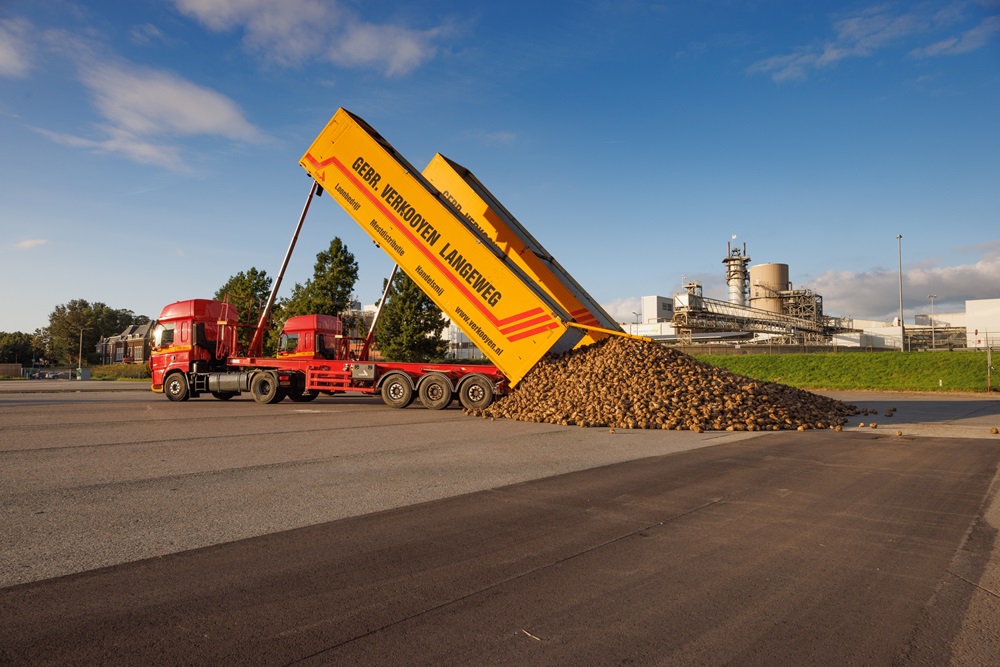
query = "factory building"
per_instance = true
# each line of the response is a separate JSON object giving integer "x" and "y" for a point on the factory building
{"x": 764, "y": 307}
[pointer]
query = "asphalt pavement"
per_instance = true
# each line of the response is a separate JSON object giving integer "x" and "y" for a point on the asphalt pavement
{"x": 139, "y": 531}
{"x": 69, "y": 386}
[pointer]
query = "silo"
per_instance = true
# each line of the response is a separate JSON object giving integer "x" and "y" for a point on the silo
{"x": 736, "y": 274}
{"x": 766, "y": 280}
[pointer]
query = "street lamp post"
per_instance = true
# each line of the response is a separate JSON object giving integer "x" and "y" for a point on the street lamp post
{"x": 933, "y": 341}
{"x": 902, "y": 327}
{"x": 636, "y": 322}
{"x": 79, "y": 358}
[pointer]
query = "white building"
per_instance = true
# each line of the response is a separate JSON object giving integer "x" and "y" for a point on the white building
{"x": 982, "y": 323}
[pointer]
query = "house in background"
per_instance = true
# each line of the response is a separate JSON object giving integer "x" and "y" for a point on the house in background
{"x": 131, "y": 346}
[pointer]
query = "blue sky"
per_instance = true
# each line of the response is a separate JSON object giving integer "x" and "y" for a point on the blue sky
{"x": 150, "y": 148}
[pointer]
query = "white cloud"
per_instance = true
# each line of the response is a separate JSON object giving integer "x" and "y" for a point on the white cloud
{"x": 792, "y": 67}
{"x": 874, "y": 294}
{"x": 287, "y": 32}
{"x": 398, "y": 50}
{"x": 970, "y": 40}
{"x": 15, "y": 48}
{"x": 856, "y": 36}
{"x": 27, "y": 244}
{"x": 873, "y": 29}
{"x": 864, "y": 34}
{"x": 134, "y": 148}
{"x": 143, "y": 102}
{"x": 296, "y": 31}
{"x": 624, "y": 309}
{"x": 145, "y": 112}
{"x": 146, "y": 33}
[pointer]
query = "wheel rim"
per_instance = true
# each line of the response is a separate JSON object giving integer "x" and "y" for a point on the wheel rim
{"x": 435, "y": 391}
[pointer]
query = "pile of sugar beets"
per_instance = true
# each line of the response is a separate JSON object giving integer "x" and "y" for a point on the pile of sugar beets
{"x": 632, "y": 383}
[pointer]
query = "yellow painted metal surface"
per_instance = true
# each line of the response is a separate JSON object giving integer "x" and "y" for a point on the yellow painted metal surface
{"x": 481, "y": 208}
{"x": 510, "y": 318}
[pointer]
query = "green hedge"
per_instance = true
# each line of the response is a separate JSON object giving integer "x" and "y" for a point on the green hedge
{"x": 120, "y": 372}
{"x": 892, "y": 371}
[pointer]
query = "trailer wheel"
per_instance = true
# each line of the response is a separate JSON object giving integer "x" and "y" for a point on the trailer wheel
{"x": 396, "y": 391}
{"x": 264, "y": 388}
{"x": 303, "y": 396}
{"x": 176, "y": 387}
{"x": 476, "y": 393}
{"x": 435, "y": 392}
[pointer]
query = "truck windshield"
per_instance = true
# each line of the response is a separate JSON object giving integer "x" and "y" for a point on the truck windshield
{"x": 163, "y": 335}
{"x": 288, "y": 343}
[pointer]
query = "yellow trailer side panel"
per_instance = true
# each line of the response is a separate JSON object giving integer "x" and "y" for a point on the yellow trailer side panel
{"x": 479, "y": 206}
{"x": 512, "y": 320}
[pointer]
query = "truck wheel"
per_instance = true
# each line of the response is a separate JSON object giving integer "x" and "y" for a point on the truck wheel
{"x": 435, "y": 392}
{"x": 176, "y": 387}
{"x": 264, "y": 388}
{"x": 476, "y": 393}
{"x": 396, "y": 391}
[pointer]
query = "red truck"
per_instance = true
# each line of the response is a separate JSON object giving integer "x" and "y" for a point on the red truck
{"x": 195, "y": 352}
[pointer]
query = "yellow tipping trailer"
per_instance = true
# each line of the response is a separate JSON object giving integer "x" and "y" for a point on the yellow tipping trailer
{"x": 480, "y": 207}
{"x": 500, "y": 308}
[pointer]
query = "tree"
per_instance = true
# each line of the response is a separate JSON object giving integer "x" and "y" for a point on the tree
{"x": 410, "y": 325}
{"x": 329, "y": 291}
{"x": 76, "y": 327}
{"x": 247, "y": 288}
{"x": 248, "y": 291}
{"x": 18, "y": 348}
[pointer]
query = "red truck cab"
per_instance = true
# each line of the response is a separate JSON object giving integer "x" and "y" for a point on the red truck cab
{"x": 192, "y": 335}
{"x": 312, "y": 337}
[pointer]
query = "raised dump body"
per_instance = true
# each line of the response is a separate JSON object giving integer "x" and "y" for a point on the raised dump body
{"x": 509, "y": 317}
{"x": 480, "y": 207}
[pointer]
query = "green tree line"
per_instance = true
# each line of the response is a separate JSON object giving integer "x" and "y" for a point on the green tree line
{"x": 72, "y": 335}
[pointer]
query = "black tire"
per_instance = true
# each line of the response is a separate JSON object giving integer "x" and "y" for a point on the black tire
{"x": 476, "y": 393}
{"x": 223, "y": 395}
{"x": 264, "y": 388}
{"x": 176, "y": 387}
{"x": 397, "y": 391}
{"x": 303, "y": 396}
{"x": 435, "y": 392}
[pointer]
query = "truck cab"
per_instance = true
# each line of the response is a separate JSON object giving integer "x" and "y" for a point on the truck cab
{"x": 312, "y": 337}
{"x": 197, "y": 335}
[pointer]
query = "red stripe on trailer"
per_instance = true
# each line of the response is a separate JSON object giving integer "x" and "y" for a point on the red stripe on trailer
{"x": 525, "y": 324}
{"x": 532, "y": 332}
